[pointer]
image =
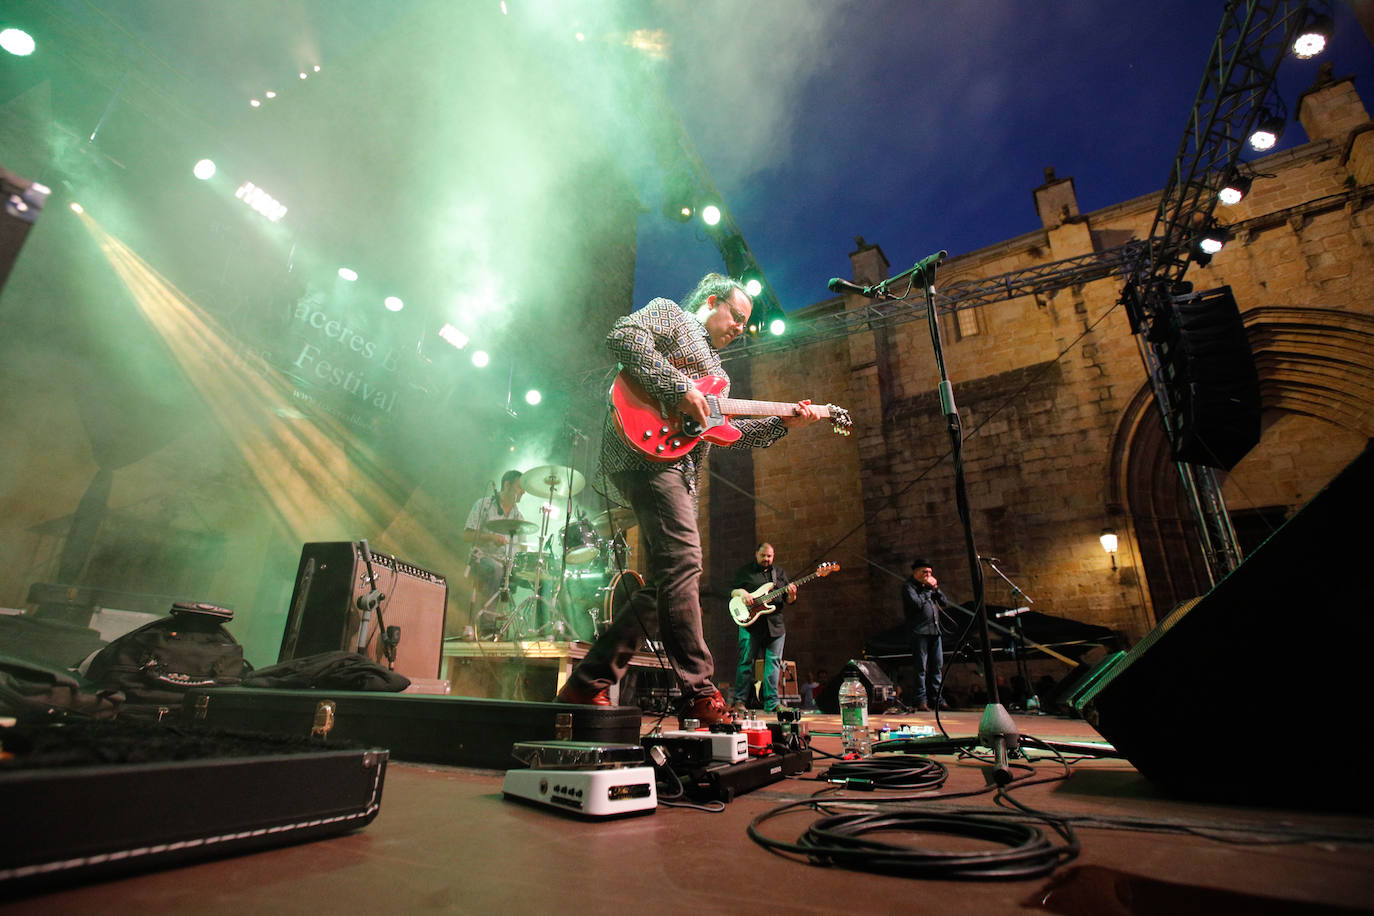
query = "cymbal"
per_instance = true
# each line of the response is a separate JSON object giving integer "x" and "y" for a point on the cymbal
{"x": 551, "y": 481}
{"x": 511, "y": 526}
{"x": 609, "y": 522}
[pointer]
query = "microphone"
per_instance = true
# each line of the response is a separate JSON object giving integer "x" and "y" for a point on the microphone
{"x": 841, "y": 285}
{"x": 993, "y": 560}
{"x": 931, "y": 261}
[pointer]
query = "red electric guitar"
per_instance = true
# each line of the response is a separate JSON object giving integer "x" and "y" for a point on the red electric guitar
{"x": 664, "y": 435}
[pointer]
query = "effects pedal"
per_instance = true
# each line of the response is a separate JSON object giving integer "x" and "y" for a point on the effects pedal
{"x": 583, "y": 777}
{"x": 590, "y": 793}
{"x": 726, "y": 747}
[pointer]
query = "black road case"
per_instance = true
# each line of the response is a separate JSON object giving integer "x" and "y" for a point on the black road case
{"x": 136, "y": 796}
{"x": 460, "y": 731}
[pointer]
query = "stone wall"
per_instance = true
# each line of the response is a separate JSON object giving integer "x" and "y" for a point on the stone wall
{"x": 1060, "y": 439}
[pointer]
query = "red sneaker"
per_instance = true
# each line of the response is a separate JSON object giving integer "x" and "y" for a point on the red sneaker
{"x": 580, "y": 697}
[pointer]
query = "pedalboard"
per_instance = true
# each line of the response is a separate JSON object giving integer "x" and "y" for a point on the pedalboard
{"x": 724, "y": 781}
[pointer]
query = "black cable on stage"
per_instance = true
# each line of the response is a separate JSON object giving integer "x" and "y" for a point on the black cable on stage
{"x": 846, "y": 841}
{"x": 892, "y": 771}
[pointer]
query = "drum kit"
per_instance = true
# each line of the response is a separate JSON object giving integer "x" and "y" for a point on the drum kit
{"x": 571, "y": 588}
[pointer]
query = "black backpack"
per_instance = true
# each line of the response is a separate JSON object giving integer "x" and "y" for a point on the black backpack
{"x": 157, "y": 663}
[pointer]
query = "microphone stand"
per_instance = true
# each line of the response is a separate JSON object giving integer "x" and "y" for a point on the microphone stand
{"x": 1022, "y": 603}
{"x": 996, "y": 730}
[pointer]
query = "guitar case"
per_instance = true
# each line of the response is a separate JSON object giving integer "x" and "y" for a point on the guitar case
{"x": 459, "y": 731}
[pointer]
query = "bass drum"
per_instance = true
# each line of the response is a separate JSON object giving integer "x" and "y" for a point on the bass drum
{"x": 623, "y": 584}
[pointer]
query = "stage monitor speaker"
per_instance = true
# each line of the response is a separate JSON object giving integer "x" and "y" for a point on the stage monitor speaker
{"x": 1210, "y": 378}
{"x": 1255, "y": 693}
{"x": 882, "y": 693}
{"x": 325, "y": 617}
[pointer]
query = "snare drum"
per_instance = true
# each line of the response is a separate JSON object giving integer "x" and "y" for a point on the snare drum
{"x": 524, "y": 566}
{"x": 580, "y": 543}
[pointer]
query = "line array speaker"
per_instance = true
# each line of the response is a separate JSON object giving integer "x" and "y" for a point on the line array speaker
{"x": 1210, "y": 378}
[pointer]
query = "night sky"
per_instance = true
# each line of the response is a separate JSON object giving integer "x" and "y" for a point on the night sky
{"x": 926, "y": 126}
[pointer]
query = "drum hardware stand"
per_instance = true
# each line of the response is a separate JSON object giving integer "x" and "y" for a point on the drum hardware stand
{"x": 502, "y": 594}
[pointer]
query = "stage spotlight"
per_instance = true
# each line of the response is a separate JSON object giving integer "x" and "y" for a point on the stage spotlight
{"x": 454, "y": 337}
{"x": 255, "y": 103}
{"x": 533, "y": 397}
{"x": 1312, "y": 40}
{"x": 17, "y": 42}
{"x": 752, "y": 286}
{"x": 348, "y": 274}
{"x": 1234, "y": 190}
{"x": 302, "y": 74}
{"x": 260, "y": 201}
{"x": 270, "y": 94}
{"x": 77, "y": 208}
{"x": 1213, "y": 240}
{"x": 317, "y": 68}
{"x": 480, "y": 358}
{"x": 710, "y": 214}
{"x": 676, "y": 211}
{"x": 1268, "y": 133}
{"x": 393, "y": 304}
{"x": 204, "y": 169}
{"x": 778, "y": 326}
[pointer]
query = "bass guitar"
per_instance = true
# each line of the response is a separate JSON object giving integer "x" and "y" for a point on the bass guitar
{"x": 745, "y": 614}
{"x": 664, "y": 435}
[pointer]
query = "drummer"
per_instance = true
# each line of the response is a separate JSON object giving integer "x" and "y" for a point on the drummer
{"x": 491, "y": 549}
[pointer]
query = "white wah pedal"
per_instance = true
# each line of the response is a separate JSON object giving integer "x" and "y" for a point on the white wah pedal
{"x": 584, "y": 778}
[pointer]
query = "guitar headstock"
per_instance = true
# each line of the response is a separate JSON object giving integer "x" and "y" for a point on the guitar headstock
{"x": 839, "y": 420}
{"x": 827, "y": 568}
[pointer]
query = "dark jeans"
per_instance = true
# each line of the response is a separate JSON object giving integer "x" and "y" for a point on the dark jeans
{"x": 669, "y": 603}
{"x": 927, "y": 656}
{"x": 750, "y": 646}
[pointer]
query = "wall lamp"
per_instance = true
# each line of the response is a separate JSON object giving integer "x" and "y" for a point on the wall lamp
{"x": 1108, "y": 539}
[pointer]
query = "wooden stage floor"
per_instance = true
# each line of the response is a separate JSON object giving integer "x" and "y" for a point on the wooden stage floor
{"x": 446, "y": 841}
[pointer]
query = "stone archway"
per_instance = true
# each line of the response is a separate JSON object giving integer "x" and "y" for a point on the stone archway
{"x": 1313, "y": 363}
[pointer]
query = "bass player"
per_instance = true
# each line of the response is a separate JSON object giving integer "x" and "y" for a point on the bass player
{"x": 766, "y": 635}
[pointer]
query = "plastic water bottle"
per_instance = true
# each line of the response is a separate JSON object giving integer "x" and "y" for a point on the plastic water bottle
{"x": 854, "y": 714}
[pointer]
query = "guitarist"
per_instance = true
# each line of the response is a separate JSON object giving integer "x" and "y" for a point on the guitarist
{"x": 665, "y": 348}
{"x": 765, "y": 636}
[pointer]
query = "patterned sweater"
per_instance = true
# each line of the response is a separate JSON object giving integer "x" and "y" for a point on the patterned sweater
{"x": 666, "y": 350}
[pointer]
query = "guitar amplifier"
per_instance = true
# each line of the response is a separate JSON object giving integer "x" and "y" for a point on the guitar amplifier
{"x": 788, "y": 691}
{"x": 325, "y": 615}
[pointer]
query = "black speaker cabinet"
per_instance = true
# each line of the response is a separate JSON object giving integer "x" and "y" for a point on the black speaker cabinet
{"x": 1209, "y": 374}
{"x": 325, "y": 616}
{"x": 21, "y": 201}
{"x": 1256, "y": 692}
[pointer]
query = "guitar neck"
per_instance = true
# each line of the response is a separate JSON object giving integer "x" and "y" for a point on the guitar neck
{"x": 740, "y": 408}
{"x": 778, "y": 591}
